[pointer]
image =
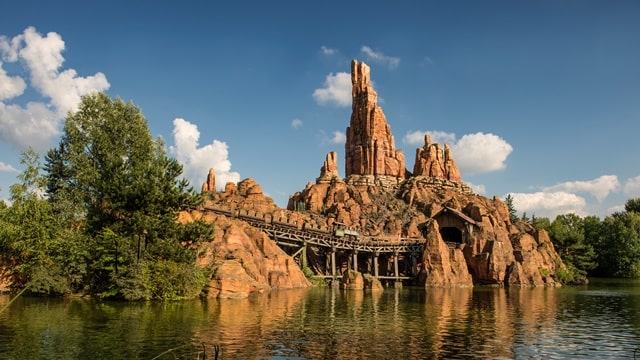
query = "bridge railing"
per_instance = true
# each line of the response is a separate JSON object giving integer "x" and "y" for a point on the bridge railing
{"x": 307, "y": 232}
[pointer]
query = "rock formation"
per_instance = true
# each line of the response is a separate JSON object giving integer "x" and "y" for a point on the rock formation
{"x": 370, "y": 147}
{"x": 476, "y": 244}
{"x": 243, "y": 259}
{"x": 495, "y": 251}
{"x": 468, "y": 239}
{"x": 247, "y": 194}
{"x": 329, "y": 170}
{"x": 210, "y": 184}
{"x": 432, "y": 161}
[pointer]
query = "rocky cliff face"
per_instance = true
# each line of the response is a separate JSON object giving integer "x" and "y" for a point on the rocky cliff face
{"x": 433, "y": 161}
{"x": 243, "y": 259}
{"x": 370, "y": 147}
{"x": 484, "y": 247}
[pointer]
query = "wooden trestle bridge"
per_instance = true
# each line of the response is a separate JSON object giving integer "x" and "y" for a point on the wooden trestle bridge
{"x": 385, "y": 259}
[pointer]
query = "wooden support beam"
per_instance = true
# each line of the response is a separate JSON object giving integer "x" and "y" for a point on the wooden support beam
{"x": 414, "y": 263}
{"x": 375, "y": 264}
{"x": 333, "y": 262}
{"x": 355, "y": 260}
{"x": 396, "y": 272}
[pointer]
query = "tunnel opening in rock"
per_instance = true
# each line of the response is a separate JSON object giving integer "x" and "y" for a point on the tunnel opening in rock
{"x": 451, "y": 235}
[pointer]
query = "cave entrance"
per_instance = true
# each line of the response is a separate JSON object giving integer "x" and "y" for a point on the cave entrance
{"x": 456, "y": 228}
{"x": 451, "y": 235}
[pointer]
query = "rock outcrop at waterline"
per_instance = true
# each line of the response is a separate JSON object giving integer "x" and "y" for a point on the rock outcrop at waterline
{"x": 243, "y": 260}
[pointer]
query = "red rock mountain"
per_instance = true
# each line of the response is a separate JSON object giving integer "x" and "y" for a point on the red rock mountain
{"x": 379, "y": 201}
{"x": 469, "y": 239}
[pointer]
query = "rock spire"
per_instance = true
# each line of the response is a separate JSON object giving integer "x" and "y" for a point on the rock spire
{"x": 433, "y": 161}
{"x": 210, "y": 184}
{"x": 329, "y": 170}
{"x": 370, "y": 147}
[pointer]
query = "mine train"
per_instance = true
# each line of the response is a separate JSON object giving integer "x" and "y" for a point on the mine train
{"x": 338, "y": 229}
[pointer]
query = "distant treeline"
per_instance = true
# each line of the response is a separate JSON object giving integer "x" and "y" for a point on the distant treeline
{"x": 100, "y": 215}
{"x": 591, "y": 247}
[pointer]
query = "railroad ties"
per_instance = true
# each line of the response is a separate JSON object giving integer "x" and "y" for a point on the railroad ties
{"x": 290, "y": 235}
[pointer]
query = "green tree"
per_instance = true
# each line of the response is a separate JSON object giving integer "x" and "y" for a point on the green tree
{"x": 513, "y": 213}
{"x": 568, "y": 235}
{"x": 129, "y": 194}
{"x": 632, "y": 205}
{"x": 619, "y": 245}
{"x": 542, "y": 223}
{"x": 33, "y": 244}
{"x": 592, "y": 236}
{"x": 66, "y": 200}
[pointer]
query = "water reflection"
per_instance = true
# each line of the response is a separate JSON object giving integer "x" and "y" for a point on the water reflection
{"x": 600, "y": 320}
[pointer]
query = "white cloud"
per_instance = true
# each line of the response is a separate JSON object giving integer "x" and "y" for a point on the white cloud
{"x": 339, "y": 137}
{"x": 296, "y": 123}
{"x": 479, "y": 153}
{"x": 8, "y": 48}
{"x": 599, "y": 188}
{"x": 7, "y": 168}
{"x": 416, "y": 138}
{"x": 380, "y": 57}
{"x": 38, "y": 123}
{"x": 478, "y": 189}
{"x": 198, "y": 160}
{"x": 10, "y": 86}
{"x": 327, "y": 51}
{"x": 34, "y": 125}
{"x": 474, "y": 153}
{"x": 337, "y": 90}
{"x": 632, "y": 187}
{"x": 549, "y": 204}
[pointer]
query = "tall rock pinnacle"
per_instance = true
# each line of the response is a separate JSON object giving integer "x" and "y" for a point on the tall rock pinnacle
{"x": 432, "y": 161}
{"x": 210, "y": 184}
{"x": 370, "y": 147}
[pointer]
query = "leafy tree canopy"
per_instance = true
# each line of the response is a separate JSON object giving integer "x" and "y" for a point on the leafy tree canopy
{"x": 111, "y": 179}
{"x": 568, "y": 235}
{"x": 632, "y": 205}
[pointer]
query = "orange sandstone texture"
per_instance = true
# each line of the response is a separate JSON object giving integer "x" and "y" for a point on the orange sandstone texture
{"x": 370, "y": 147}
{"x": 379, "y": 198}
{"x": 433, "y": 161}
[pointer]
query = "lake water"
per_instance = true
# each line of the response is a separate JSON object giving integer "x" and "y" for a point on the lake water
{"x": 601, "y": 320}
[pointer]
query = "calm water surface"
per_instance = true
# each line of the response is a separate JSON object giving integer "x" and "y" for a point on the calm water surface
{"x": 601, "y": 320}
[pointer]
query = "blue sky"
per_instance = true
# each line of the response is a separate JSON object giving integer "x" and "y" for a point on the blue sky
{"x": 539, "y": 99}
